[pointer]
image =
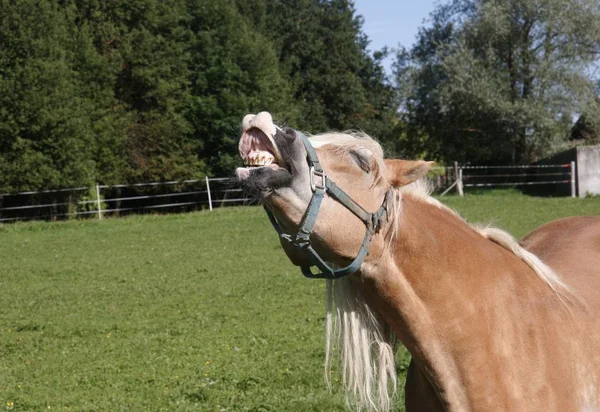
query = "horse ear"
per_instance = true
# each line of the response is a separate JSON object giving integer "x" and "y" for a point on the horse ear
{"x": 402, "y": 172}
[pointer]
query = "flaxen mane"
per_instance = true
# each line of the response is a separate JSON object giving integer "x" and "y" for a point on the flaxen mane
{"x": 421, "y": 191}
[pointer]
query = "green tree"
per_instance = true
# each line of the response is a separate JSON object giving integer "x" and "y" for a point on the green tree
{"x": 498, "y": 81}
{"x": 46, "y": 138}
{"x": 587, "y": 128}
{"x": 234, "y": 72}
{"x": 138, "y": 90}
{"x": 146, "y": 43}
{"x": 335, "y": 82}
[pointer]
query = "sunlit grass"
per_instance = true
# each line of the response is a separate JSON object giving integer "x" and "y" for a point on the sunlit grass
{"x": 183, "y": 312}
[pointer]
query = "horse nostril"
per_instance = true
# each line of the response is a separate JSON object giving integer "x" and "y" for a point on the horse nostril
{"x": 289, "y": 133}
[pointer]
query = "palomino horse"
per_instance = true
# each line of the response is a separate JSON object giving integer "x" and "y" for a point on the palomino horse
{"x": 491, "y": 325}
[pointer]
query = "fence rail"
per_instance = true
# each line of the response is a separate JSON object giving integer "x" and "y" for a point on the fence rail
{"x": 187, "y": 195}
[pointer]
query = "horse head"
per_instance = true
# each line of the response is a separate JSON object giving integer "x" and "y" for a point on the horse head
{"x": 280, "y": 170}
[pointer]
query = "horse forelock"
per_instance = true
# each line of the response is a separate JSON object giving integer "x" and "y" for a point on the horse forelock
{"x": 349, "y": 141}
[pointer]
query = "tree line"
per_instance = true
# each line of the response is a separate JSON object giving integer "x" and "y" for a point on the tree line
{"x": 502, "y": 81}
{"x": 95, "y": 91}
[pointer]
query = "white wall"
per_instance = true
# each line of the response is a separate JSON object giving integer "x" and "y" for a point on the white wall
{"x": 588, "y": 170}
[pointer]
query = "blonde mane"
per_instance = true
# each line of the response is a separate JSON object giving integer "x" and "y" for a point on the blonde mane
{"x": 353, "y": 141}
{"x": 366, "y": 344}
{"x": 366, "y": 347}
{"x": 421, "y": 191}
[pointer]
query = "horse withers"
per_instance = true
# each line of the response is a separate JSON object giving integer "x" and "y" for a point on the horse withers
{"x": 491, "y": 324}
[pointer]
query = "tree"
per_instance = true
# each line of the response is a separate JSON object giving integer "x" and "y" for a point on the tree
{"x": 95, "y": 91}
{"x": 146, "y": 44}
{"x": 234, "y": 71}
{"x": 46, "y": 138}
{"x": 587, "y": 127}
{"x": 498, "y": 81}
{"x": 335, "y": 82}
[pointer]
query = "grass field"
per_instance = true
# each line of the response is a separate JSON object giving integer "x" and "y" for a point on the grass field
{"x": 182, "y": 312}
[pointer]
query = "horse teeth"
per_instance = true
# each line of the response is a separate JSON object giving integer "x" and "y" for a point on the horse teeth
{"x": 260, "y": 159}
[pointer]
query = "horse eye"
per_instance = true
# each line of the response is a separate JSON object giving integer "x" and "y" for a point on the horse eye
{"x": 360, "y": 161}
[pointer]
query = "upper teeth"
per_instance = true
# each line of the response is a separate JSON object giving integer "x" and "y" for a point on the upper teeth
{"x": 259, "y": 159}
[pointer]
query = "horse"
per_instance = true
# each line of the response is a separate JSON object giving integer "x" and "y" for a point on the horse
{"x": 491, "y": 324}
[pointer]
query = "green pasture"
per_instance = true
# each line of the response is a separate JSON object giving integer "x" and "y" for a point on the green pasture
{"x": 196, "y": 311}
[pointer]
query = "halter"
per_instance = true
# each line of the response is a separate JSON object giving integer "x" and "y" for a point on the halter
{"x": 321, "y": 184}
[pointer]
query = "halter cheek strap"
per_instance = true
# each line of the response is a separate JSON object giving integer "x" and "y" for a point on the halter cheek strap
{"x": 321, "y": 184}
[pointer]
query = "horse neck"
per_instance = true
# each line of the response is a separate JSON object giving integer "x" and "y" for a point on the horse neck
{"x": 443, "y": 285}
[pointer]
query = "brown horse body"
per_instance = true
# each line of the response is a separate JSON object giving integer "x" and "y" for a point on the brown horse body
{"x": 485, "y": 332}
{"x": 488, "y": 324}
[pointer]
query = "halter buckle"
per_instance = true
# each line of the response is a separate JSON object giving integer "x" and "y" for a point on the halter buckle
{"x": 374, "y": 222}
{"x": 320, "y": 173}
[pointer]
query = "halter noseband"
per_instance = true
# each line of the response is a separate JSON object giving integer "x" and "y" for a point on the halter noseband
{"x": 321, "y": 184}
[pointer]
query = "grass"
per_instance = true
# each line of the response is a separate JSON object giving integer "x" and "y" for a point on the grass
{"x": 184, "y": 312}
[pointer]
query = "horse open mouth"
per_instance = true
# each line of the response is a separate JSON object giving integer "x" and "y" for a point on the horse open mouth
{"x": 257, "y": 149}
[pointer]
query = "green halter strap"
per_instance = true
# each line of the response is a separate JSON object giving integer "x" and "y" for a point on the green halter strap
{"x": 321, "y": 184}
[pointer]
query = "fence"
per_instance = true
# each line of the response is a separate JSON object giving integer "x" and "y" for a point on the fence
{"x": 208, "y": 193}
{"x": 513, "y": 176}
{"x": 117, "y": 200}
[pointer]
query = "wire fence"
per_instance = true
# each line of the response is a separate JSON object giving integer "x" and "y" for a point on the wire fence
{"x": 554, "y": 179}
{"x": 189, "y": 195}
{"x": 122, "y": 199}
{"x": 562, "y": 177}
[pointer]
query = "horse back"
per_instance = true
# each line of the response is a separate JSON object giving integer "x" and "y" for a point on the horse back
{"x": 571, "y": 247}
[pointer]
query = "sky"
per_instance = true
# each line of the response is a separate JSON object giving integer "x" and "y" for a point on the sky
{"x": 393, "y": 22}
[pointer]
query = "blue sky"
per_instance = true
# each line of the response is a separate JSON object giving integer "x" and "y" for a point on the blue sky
{"x": 393, "y": 22}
